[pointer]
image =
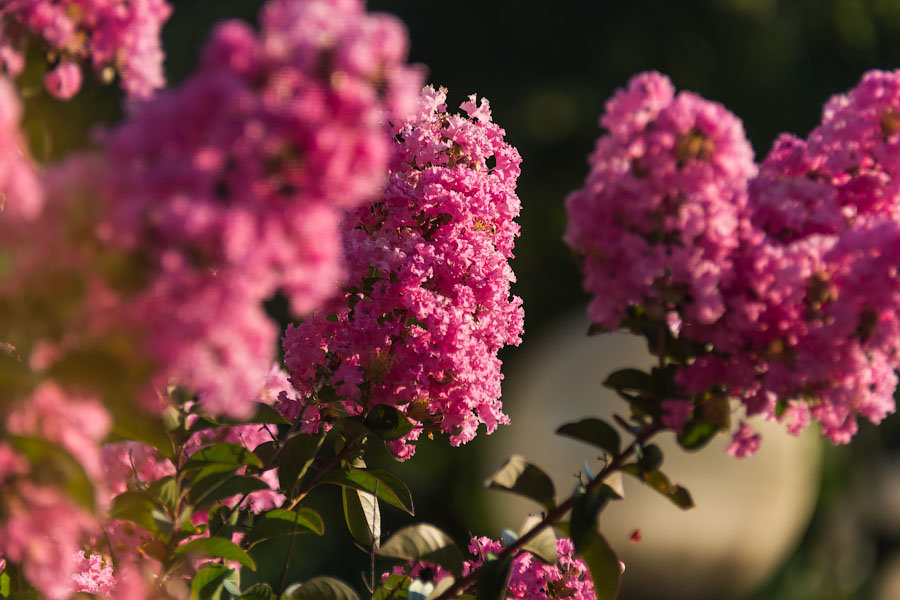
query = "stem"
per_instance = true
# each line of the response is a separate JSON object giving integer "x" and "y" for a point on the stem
{"x": 287, "y": 558}
{"x": 331, "y": 464}
{"x": 555, "y": 515}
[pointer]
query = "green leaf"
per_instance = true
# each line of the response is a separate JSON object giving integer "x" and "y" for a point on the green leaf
{"x": 212, "y": 489}
{"x": 603, "y": 564}
{"x": 295, "y": 458}
{"x": 320, "y": 588}
{"x": 142, "y": 509}
{"x": 423, "y": 542}
{"x": 493, "y": 577}
{"x": 281, "y": 522}
{"x": 258, "y": 591}
{"x": 387, "y": 422}
{"x": 651, "y": 457}
{"x": 440, "y": 587}
{"x": 225, "y": 453}
{"x": 265, "y": 413}
{"x": 362, "y": 515}
{"x": 207, "y": 583}
{"x": 50, "y": 462}
{"x": 696, "y": 434}
{"x": 216, "y": 547}
{"x": 393, "y": 588}
{"x": 628, "y": 379}
{"x": 543, "y": 545}
{"x": 4, "y": 584}
{"x": 385, "y": 485}
{"x": 680, "y": 496}
{"x": 586, "y": 505}
{"x": 142, "y": 428}
{"x": 520, "y": 477}
{"x": 594, "y": 431}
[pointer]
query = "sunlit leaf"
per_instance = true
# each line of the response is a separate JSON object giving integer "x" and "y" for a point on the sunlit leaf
{"x": 423, "y": 542}
{"x": 362, "y": 515}
{"x": 543, "y": 545}
{"x": 386, "y": 486}
{"x": 281, "y": 522}
{"x": 520, "y": 477}
{"x": 216, "y": 547}
{"x": 320, "y": 588}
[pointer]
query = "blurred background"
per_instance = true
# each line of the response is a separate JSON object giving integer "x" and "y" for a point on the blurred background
{"x": 799, "y": 521}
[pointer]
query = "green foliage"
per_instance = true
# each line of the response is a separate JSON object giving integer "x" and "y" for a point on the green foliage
{"x": 423, "y": 542}
{"x": 543, "y": 545}
{"x": 392, "y": 588}
{"x": 320, "y": 588}
{"x": 594, "y": 431}
{"x": 51, "y": 464}
{"x": 362, "y": 515}
{"x": 679, "y": 496}
{"x": 216, "y": 547}
{"x": 280, "y": 522}
{"x": 492, "y": 577}
{"x": 387, "y": 422}
{"x": 384, "y": 485}
{"x": 519, "y": 476}
{"x": 294, "y": 458}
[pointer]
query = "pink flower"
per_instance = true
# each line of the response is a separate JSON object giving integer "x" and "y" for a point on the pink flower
{"x": 64, "y": 80}
{"x": 427, "y": 305}
{"x": 745, "y": 442}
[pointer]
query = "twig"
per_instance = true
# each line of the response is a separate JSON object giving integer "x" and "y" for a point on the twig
{"x": 555, "y": 515}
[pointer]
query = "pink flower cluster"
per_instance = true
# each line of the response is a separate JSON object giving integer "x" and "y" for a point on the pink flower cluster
{"x": 224, "y": 191}
{"x": 658, "y": 218}
{"x": 41, "y": 527}
{"x": 20, "y": 190}
{"x": 428, "y": 302}
{"x": 121, "y": 36}
{"x": 531, "y": 579}
{"x": 801, "y": 316}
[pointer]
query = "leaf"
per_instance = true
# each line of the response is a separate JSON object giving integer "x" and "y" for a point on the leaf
{"x": 393, "y": 588}
{"x": 266, "y": 413}
{"x": 493, "y": 577}
{"x": 651, "y": 457}
{"x": 208, "y": 581}
{"x": 387, "y": 422}
{"x": 603, "y": 564}
{"x": 225, "y": 453}
{"x": 520, "y": 477}
{"x": 696, "y": 434}
{"x": 440, "y": 587}
{"x": 139, "y": 508}
{"x": 628, "y": 379}
{"x": 362, "y": 515}
{"x": 543, "y": 545}
{"x": 423, "y": 542}
{"x": 216, "y": 547}
{"x": 280, "y": 522}
{"x": 52, "y": 463}
{"x": 212, "y": 489}
{"x": 594, "y": 431}
{"x": 257, "y": 591}
{"x": 320, "y": 588}
{"x": 586, "y": 505}
{"x": 295, "y": 458}
{"x": 386, "y": 486}
{"x": 4, "y": 584}
{"x": 680, "y": 496}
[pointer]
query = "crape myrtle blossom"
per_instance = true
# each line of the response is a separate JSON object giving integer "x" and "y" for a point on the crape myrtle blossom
{"x": 108, "y": 36}
{"x": 20, "y": 188}
{"x": 529, "y": 577}
{"x": 807, "y": 325}
{"x": 228, "y": 189}
{"x": 657, "y": 219}
{"x": 427, "y": 306}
